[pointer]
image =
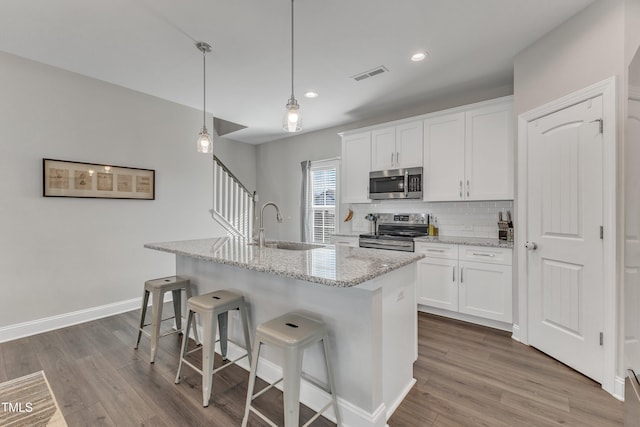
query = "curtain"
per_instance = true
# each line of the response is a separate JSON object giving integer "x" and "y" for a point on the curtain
{"x": 304, "y": 201}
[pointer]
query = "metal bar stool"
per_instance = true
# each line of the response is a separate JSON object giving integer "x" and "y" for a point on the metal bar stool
{"x": 157, "y": 288}
{"x": 292, "y": 333}
{"x": 213, "y": 308}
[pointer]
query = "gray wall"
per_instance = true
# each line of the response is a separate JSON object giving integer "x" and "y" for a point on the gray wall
{"x": 588, "y": 48}
{"x": 60, "y": 255}
{"x": 279, "y": 175}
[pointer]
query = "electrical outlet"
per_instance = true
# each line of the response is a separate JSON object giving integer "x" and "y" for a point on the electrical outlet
{"x": 467, "y": 228}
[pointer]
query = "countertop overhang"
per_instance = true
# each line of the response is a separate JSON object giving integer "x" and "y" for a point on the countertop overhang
{"x": 330, "y": 265}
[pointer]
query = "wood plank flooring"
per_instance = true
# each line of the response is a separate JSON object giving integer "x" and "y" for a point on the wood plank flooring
{"x": 467, "y": 376}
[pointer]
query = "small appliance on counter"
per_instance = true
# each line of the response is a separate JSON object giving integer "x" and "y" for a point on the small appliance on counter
{"x": 505, "y": 227}
{"x": 396, "y": 232}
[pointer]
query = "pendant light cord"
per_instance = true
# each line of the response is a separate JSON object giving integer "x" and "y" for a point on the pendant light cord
{"x": 292, "y": 97}
{"x": 204, "y": 88}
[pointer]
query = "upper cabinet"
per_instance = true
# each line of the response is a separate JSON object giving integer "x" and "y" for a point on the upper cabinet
{"x": 468, "y": 155}
{"x": 356, "y": 164}
{"x": 444, "y": 158}
{"x": 466, "y": 152}
{"x": 489, "y": 160}
{"x": 397, "y": 147}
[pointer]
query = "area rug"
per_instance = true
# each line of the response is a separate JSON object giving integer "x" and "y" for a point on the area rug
{"x": 28, "y": 401}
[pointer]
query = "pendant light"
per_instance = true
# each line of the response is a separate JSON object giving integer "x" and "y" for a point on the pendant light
{"x": 205, "y": 143}
{"x": 292, "y": 120}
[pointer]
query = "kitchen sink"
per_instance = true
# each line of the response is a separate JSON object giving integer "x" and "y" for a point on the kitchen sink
{"x": 290, "y": 246}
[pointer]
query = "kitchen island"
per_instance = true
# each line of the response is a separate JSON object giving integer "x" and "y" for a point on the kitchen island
{"x": 365, "y": 296}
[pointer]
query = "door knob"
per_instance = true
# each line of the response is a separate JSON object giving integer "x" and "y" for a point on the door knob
{"x": 532, "y": 246}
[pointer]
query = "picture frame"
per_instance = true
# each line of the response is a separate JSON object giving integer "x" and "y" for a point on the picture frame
{"x": 64, "y": 178}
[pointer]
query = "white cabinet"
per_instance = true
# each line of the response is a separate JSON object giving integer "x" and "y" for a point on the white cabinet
{"x": 471, "y": 280}
{"x": 468, "y": 155}
{"x": 356, "y": 164}
{"x": 437, "y": 276}
{"x": 485, "y": 288}
{"x": 352, "y": 241}
{"x": 444, "y": 157}
{"x": 489, "y": 161}
{"x": 396, "y": 147}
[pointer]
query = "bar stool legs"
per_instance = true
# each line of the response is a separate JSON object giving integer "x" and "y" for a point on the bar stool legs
{"x": 291, "y": 333}
{"x": 156, "y": 288}
{"x": 213, "y": 310}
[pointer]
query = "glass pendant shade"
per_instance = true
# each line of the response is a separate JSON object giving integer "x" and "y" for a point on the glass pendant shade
{"x": 292, "y": 120}
{"x": 205, "y": 144}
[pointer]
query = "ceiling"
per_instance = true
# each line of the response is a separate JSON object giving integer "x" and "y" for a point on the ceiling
{"x": 149, "y": 46}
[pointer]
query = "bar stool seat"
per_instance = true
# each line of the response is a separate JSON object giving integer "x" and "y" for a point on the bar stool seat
{"x": 157, "y": 288}
{"x": 213, "y": 308}
{"x": 292, "y": 333}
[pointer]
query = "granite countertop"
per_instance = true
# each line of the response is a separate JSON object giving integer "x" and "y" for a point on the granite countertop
{"x": 330, "y": 265}
{"x": 472, "y": 241}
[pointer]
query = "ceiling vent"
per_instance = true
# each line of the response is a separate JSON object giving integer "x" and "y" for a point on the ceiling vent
{"x": 374, "y": 72}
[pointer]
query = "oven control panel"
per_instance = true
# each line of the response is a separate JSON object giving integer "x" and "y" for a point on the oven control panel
{"x": 403, "y": 218}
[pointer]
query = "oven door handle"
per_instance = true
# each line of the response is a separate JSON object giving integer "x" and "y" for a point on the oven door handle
{"x": 386, "y": 242}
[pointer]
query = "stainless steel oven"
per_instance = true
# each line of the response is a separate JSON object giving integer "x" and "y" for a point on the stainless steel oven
{"x": 396, "y": 184}
{"x": 396, "y": 232}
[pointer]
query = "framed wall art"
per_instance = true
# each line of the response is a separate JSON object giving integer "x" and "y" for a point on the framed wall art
{"x": 63, "y": 178}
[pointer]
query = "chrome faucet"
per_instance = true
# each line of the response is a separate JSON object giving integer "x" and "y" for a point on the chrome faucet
{"x": 261, "y": 232}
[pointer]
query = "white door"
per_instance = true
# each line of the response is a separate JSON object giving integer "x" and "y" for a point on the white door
{"x": 565, "y": 214}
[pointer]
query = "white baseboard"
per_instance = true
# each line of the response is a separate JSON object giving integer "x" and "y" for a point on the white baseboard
{"x": 396, "y": 403}
{"x": 515, "y": 333}
{"x": 314, "y": 398}
{"x": 33, "y": 327}
{"x": 618, "y": 391}
{"x": 466, "y": 318}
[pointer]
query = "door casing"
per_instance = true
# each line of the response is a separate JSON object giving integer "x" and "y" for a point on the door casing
{"x": 607, "y": 88}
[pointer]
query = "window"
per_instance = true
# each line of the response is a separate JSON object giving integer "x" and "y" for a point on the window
{"x": 323, "y": 184}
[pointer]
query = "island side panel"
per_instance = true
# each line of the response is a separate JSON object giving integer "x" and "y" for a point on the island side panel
{"x": 353, "y": 316}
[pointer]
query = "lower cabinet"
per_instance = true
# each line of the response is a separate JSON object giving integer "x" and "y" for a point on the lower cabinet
{"x": 472, "y": 280}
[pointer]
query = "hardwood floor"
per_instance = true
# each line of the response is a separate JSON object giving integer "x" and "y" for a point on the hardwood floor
{"x": 470, "y": 375}
{"x": 467, "y": 375}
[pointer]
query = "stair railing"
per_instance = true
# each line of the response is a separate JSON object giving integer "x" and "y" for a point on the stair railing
{"x": 234, "y": 206}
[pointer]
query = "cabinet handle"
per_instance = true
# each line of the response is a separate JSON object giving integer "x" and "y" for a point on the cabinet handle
{"x": 461, "y": 270}
{"x": 391, "y": 159}
{"x": 454, "y": 274}
{"x": 397, "y": 157}
{"x": 435, "y": 250}
{"x": 461, "y": 189}
{"x": 467, "y": 188}
{"x": 481, "y": 254}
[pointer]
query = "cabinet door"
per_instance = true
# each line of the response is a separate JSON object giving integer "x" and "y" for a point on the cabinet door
{"x": 489, "y": 157}
{"x": 356, "y": 155}
{"x": 383, "y": 149}
{"x": 409, "y": 145}
{"x": 444, "y": 158}
{"x": 485, "y": 290}
{"x": 438, "y": 283}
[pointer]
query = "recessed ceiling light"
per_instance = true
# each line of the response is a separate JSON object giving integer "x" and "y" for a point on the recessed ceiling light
{"x": 419, "y": 56}
{"x": 311, "y": 94}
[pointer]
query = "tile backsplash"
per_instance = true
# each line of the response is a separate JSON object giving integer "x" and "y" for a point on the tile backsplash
{"x": 464, "y": 219}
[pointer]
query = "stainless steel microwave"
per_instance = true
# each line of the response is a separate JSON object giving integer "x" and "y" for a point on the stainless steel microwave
{"x": 396, "y": 184}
